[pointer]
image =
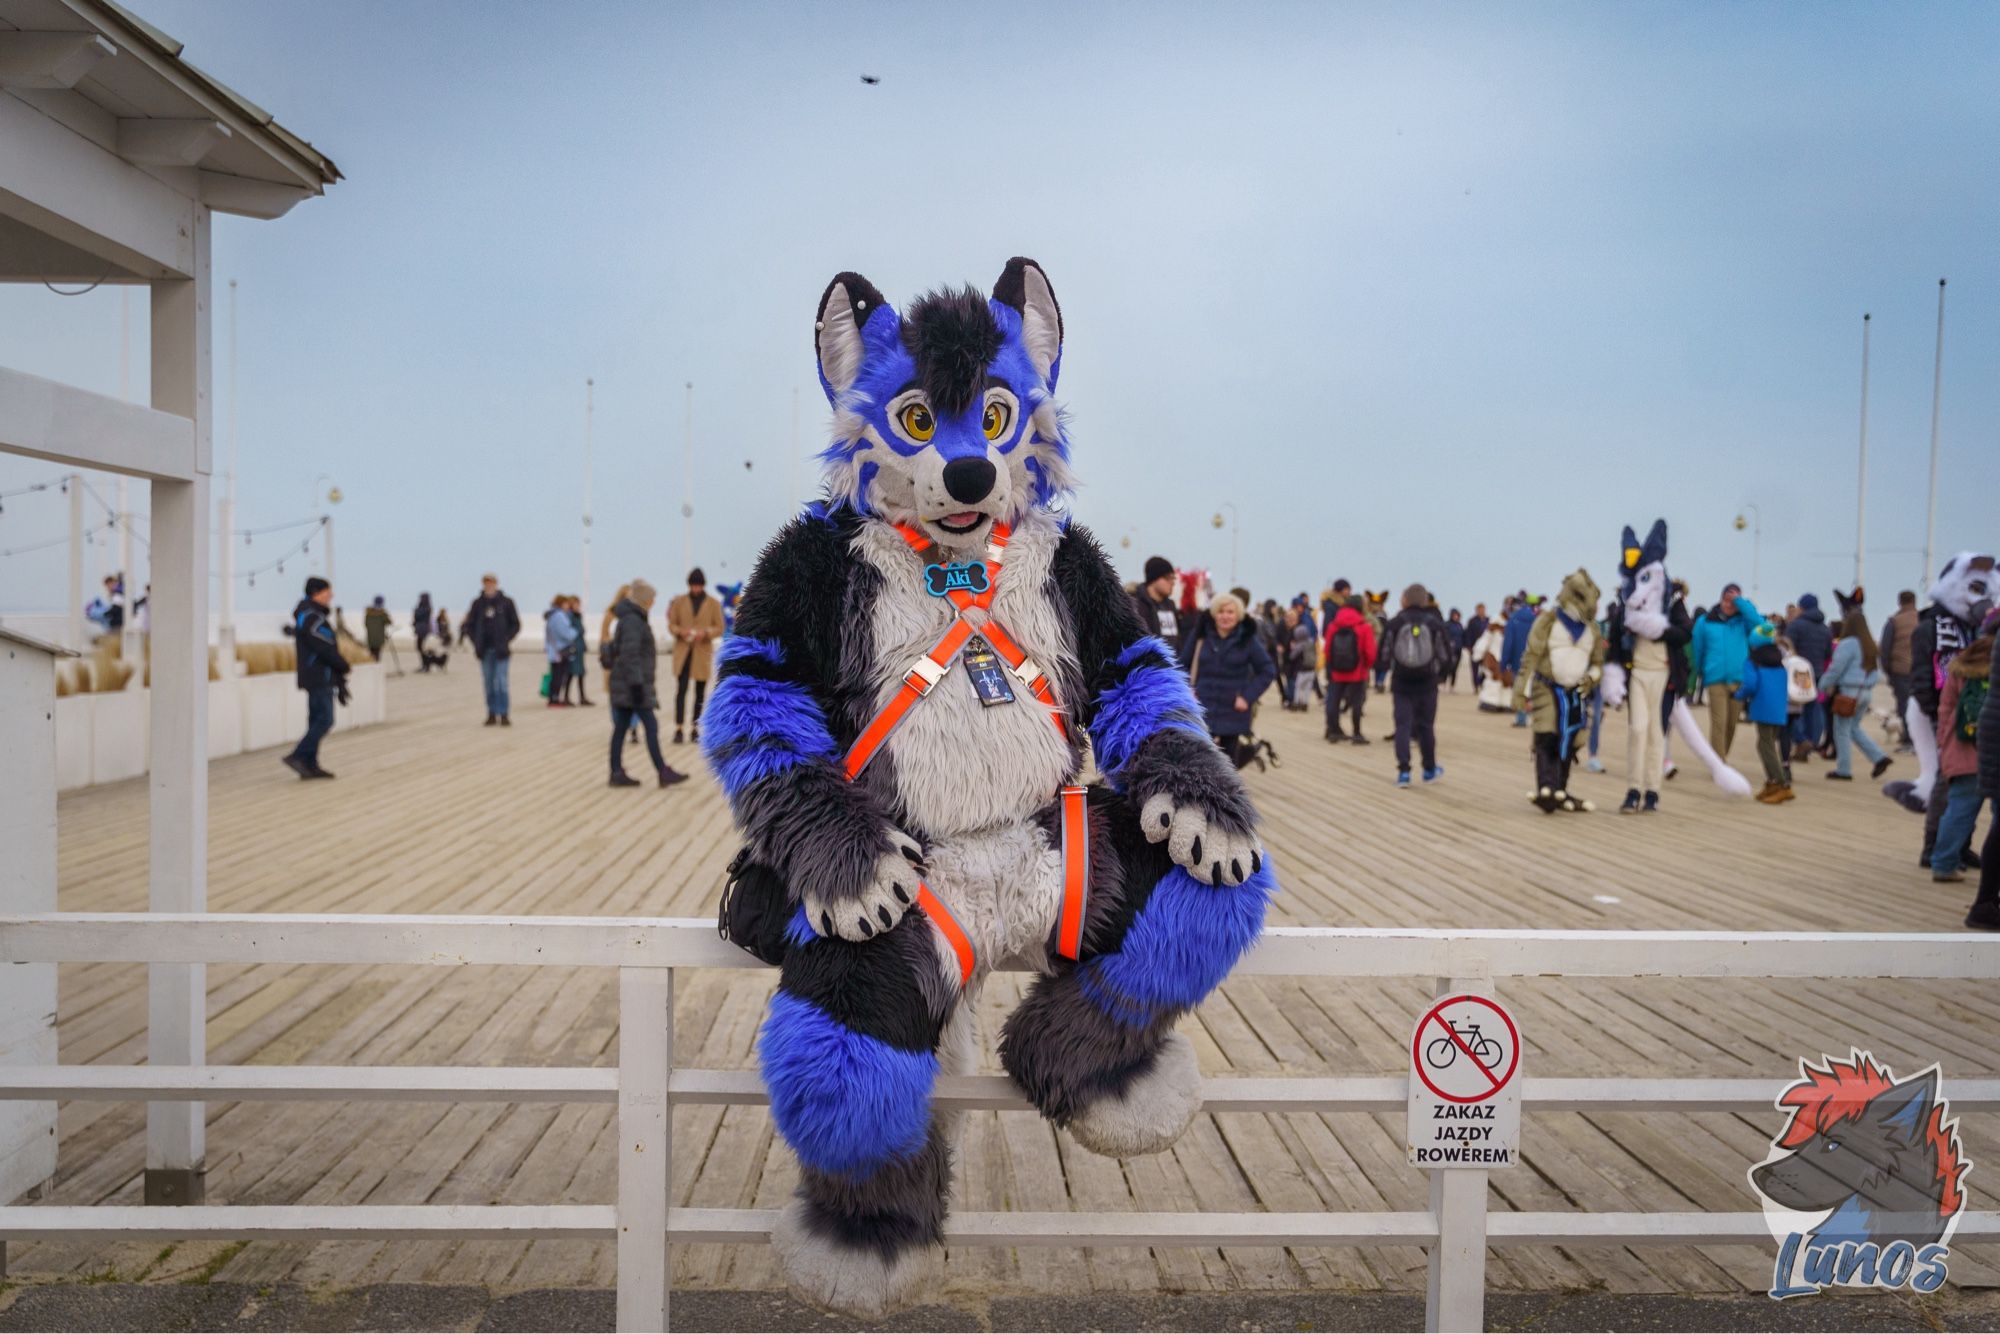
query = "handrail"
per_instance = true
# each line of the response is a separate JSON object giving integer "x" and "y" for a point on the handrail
{"x": 645, "y": 1085}
{"x": 691, "y": 942}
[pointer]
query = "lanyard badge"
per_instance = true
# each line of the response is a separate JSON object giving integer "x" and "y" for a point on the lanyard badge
{"x": 988, "y": 673}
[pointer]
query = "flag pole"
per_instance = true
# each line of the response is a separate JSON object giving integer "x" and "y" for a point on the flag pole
{"x": 1861, "y": 505}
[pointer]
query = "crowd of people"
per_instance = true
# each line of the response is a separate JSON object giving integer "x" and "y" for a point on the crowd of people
{"x": 1806, "y": 685}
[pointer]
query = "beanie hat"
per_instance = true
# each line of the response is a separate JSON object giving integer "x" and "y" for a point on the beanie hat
{"x": 1809, "y": 602}
{"x": 696, "y": 578}
{"x": 1158, "y": 567}
{"x": 1764, "y": 633}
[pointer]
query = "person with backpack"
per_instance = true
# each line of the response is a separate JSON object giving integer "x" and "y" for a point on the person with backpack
{"x": 1763, "y": 689}
{"x": 1413, "y": 654}
{"x": 1967, "y": 687}
{"x": 1350, "y": 652}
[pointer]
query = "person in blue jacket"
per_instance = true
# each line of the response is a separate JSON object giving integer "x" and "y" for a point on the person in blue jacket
{"x": 1514, "y": 644}
{"x": 1721, "y": 650}
{"x": 1763, "y": 689}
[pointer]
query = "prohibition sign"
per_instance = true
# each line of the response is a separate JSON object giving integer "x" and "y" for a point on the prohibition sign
{"x": 1493, "y": 1071}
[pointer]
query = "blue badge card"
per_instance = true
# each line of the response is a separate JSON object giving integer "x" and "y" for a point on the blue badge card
{"x": 988, "y": 673}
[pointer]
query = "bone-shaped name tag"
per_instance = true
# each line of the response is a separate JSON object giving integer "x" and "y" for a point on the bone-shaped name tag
{"x": 958, "y": 576}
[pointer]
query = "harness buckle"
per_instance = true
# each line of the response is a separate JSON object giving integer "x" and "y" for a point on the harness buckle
{"x": 927, "y": 672}
{"x": 1027, "y": 671}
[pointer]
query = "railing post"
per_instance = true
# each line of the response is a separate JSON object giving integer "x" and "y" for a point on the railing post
{"x": 1455, "y": 1285}
{"x": 645, "y": 1145}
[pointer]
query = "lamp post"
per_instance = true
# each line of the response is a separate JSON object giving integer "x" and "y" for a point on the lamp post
{"x": 687, "y": 482}
{"x": 1235, "y": 535}
{"x": 589, "y": 406}
{"x": 1861, "y": 489}
{"x": 1755, "y": 523}
{"x": 1937, "y": 402}
{"x": 331, "y": 496}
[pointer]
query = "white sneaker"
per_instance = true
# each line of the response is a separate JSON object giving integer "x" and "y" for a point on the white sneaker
{"x": 1593, "y": 765}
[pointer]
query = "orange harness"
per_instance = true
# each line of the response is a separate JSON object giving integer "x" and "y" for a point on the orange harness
{"x": 918, "y": 682}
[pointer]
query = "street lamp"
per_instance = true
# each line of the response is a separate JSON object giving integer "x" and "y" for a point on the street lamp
{"x": 1755, "y": 523}
{"x": 1235, "y": 535}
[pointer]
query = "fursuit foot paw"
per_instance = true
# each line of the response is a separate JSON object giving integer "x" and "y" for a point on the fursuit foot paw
{"x": 881, "y": 902}
{"x": 1210, "y": 853}
{"x": 1153, "y": 1111}
{"x": 853, "y": 1281}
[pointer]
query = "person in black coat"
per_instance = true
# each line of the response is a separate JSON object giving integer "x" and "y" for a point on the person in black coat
{"x": 634, "y": 663}
{"x": 1229, "y": 668}
{"x": 321, "y": 673}
{"x": 491, "y": 624}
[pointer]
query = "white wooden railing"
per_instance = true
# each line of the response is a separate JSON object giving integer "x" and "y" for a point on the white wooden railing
{"x": 1456, "y": 1229}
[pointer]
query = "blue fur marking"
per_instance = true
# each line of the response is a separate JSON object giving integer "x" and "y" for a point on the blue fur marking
{"x": 1153, "y": 698}
{"x": 864, "y": 478}
{"x": 846, "y": 1103}
{"x": 799, "y": 931}
{"x": 757, "y": 729}
{"x": 736, "y": 648}
{"x": 1182, "y": 943}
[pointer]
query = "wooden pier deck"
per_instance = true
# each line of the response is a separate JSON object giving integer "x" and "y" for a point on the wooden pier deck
{"x": 434, "y": 813}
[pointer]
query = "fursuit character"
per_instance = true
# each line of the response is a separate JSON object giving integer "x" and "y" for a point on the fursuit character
{"x": 1562, "y": 664}
{"x": 730, "y": 595}
{"x": 1960, "y": 599}
{"x": 1646, "y": 636}
{"x": 923, "y": 668}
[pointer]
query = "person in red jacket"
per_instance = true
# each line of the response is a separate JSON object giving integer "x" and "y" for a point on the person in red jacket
{"x": 1349, "y": 651}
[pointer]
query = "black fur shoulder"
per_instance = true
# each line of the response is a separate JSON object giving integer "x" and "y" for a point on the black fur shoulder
{"x": 1101, "y": 611}
{"x": 797, "y": 596}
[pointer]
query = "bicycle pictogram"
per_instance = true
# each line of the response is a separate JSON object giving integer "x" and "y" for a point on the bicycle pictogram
{"x": 1440, "y": 1052}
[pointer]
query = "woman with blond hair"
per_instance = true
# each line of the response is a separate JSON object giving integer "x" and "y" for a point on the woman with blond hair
{"x": 1229, "y": 668}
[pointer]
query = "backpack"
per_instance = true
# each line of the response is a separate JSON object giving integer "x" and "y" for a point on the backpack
{"x": 1971, "y": 702}
{"x": 1800, "y": 686}
{"x": 1344, "y": 653}
{"x": 1417, "y": 647}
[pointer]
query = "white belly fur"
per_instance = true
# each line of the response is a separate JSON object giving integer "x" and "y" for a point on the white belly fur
{"x": 969, "y": 778}
{"x": 960, "y": 765}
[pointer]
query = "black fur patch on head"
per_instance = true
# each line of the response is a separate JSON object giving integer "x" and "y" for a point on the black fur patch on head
{"x": 954, "y": 338}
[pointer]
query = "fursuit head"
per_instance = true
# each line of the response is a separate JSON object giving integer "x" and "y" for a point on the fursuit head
{"x": 949, "y": 743}
{"x": 1959, "y": 600}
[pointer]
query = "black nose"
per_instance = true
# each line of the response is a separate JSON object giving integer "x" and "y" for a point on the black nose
{"x": 969, "y": 480}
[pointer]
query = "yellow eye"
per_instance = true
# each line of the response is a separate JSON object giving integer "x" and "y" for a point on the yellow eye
{"x": 994, "y": 423}
{"x": 918, "y": 423}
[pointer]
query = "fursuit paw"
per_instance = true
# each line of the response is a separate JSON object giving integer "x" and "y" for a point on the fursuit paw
{"x": 856, "y": 1281}
{"x": 881, "y": 903}
{"x": 1211, "y": 852}
{"x": 1152, "y": 1112}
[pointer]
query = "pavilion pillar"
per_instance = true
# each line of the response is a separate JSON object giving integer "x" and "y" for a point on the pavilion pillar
{"x": 176, "y": 999}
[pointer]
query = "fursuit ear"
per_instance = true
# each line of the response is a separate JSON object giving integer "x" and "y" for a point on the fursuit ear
{"x": 1628, "y": 550}
{"x": 1025, "y": 287}
{"x": 1907, "y": 1107}
{"x": 843, "y": 309}
{"x": 1656, "y": 543}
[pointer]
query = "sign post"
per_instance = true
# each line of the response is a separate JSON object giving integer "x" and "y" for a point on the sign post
{"x": 1464, "y": 1117}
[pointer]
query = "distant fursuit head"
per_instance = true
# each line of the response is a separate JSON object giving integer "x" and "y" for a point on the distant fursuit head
{"x": 938, "y": 573}
{"x": 1960, "y": 600}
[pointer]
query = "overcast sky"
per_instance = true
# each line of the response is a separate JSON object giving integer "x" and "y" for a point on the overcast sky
{"x": 1448, "y": 293}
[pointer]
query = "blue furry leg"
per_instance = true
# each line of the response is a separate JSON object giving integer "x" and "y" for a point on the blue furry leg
{"x": 848, "y": 1053}
{"x": 1088, "y": 1031}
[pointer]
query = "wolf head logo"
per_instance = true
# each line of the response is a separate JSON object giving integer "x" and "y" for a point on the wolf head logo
{"x": 944, "y": 418}
{"x": 1877, "y": 1156}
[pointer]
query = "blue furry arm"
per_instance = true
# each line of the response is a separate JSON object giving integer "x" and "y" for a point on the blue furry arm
{"x": 766, "y": 734}
{"x": 1146, "y": 728}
